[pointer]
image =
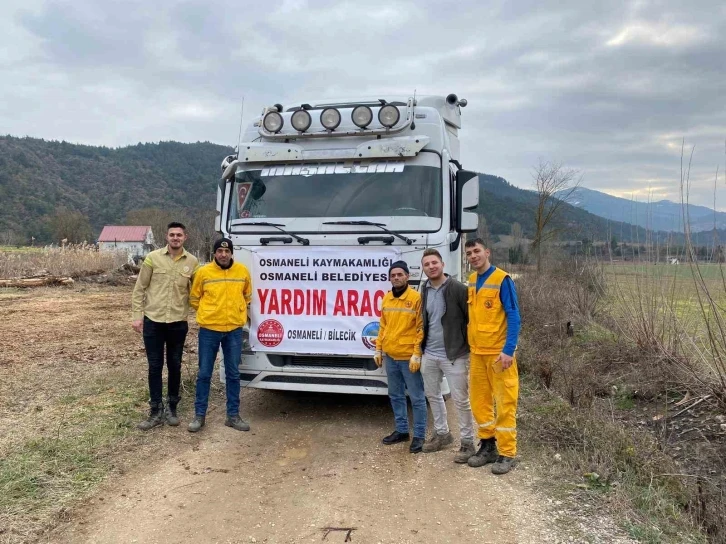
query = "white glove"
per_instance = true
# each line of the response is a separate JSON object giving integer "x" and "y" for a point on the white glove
{"x": 378, "y": 359}
{"x": 414, "y": 365}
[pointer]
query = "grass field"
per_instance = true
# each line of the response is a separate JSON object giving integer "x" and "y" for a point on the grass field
{"x": 675, "y": 291}
{"x": 641, "y": 344}
{"x": 710, "y": 271}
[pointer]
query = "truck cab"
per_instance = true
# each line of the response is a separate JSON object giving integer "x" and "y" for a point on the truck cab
{"x": 321, "y": 197}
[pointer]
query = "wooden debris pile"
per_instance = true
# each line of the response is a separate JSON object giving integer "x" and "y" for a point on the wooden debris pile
{"x": 43, "y": 278}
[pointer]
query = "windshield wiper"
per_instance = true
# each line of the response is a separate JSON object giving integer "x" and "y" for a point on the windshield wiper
{"x": 381, "y": 226}
{"x": 303, "y": 241}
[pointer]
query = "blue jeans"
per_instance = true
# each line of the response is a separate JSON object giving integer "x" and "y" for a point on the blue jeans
{"x": 400, "y": 378}
{"x": 209, "y": 342}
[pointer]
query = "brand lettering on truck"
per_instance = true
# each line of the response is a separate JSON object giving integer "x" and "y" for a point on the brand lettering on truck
{"x": 387, "y": 167}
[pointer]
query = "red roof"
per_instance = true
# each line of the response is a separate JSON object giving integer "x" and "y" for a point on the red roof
{"x": 112, "y": 233}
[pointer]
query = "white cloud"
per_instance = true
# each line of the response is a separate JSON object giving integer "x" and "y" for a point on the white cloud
{"x": 657, "y": 34}
{"x": 606, "y": 89}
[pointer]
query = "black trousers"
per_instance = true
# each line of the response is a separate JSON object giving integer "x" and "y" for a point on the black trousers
{"x": 156, "y": 337}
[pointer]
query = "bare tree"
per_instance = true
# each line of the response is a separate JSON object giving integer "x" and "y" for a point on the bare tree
{"x": 482, "y": 231}
{"x": 9, "y": 238}
{"x": 516, "y": 232}
{"x": 198, "y": 221}
{"x": 517, "y": 250}
{"x": 156, "y": 218}
{"x": 200, "y": 227}
{"x": 554, "y": 185}
{"x": 71, "y": 226}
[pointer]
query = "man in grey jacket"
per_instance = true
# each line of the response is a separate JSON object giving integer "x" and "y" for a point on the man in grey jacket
{"x": 445, "y": 349}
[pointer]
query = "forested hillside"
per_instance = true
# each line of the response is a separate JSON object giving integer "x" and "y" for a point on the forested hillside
{"x": 38, "y": 177}
{"x": 503, "y": 204}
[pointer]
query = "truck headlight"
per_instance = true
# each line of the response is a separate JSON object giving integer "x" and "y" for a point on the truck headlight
{"x": 362, "y": 116}
{"x": 330, "y": 118}
{"x": 273, "y": 122}
{"x": 388, "y": 116}
{"x": 301, "y": 120}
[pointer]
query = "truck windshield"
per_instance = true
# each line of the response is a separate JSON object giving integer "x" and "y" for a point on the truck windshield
{"x": 361, "y": 189}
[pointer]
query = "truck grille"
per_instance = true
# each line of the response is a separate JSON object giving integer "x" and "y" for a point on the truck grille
{"x": 322, "y": 361}
{"x": 315, "y": 380}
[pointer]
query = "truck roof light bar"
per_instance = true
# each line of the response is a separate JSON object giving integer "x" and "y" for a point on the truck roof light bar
{"x": 301, "y": 120}
{"x": 398, "y": 126}
{"x": 278, "y": 152}
{"x": 388, "y": 116}
{"x": 362, "y": 116}
{"x": 273, "y": 122}
{"x": 330, "y": 118}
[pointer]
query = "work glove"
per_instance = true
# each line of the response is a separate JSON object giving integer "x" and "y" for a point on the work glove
{"x": 378, "y": 359}
{"x": 414, "y": 364}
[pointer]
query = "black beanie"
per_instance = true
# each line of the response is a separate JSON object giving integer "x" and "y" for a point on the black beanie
{"x": 223, "y": 242}
{"x": 399, "y": 264}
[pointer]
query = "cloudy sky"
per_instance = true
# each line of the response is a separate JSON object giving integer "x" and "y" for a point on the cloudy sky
{"x": 609, "y": 88}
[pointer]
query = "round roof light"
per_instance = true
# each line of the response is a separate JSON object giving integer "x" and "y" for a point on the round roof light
{"x": 330, "y": 118}
{"x": 362, "y": 116}
{"x": 388, "y": 116}
{"x": 273, "y": 122}
{"x": 301, "y": 120}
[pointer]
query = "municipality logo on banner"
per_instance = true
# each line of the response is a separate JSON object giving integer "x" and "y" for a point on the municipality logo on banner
{"x": 319, "y": 300}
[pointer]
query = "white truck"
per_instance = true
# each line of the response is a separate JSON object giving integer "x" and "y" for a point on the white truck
{"x": 320, "y": 199}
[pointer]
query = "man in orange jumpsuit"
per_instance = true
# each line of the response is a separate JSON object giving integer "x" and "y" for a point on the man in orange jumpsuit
{"x": 493, "y": 332}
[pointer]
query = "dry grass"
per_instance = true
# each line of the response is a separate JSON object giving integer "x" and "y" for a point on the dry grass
{"x": 72, "y": 387}
{"x": 624, "y": 470}
{"x": 69, "y": 261}
{"x": 674, "y": 316}
{"x": 609, "y": 358}
{"x": 662, "y": 329}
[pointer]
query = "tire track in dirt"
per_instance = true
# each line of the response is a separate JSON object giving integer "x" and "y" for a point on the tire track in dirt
{"x": 310, "y": 463}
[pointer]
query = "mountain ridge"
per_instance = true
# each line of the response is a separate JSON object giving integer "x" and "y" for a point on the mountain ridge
{"x": 104, "y": 184}
{"x": 661, "y": 215}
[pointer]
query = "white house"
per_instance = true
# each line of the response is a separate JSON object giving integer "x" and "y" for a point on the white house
{"x": 136, "y": 241}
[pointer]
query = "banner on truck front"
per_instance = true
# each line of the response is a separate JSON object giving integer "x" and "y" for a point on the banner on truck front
{"x": 320, "y": 300}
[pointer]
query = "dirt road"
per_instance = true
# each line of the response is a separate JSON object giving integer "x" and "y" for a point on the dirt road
{"x": 310, "y": 463}
{"x": 312, "y": 469}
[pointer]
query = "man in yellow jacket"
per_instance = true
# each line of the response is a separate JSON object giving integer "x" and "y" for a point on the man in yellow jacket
{"x": 493, "y": 332}
{"x": 399, "y": 340}
{"x": 220, "y": 294}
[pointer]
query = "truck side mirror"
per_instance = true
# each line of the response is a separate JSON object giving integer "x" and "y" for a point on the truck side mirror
{"x": 218, "y": 217}
{"x": 467, "y": 198}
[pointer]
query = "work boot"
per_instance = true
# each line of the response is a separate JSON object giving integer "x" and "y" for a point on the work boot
{"x": 396, "y": 437}
{"x": 170, "y": 415}
{"x": 170, "y": 412}
{"x": 156, "y": 418}
{"x": 503, "y": 465}
{"x": 487, "y": 453}
{"x": 437, "y": 443}
{"x": 237, "y": 423}
{"x": 196, "y": 424}
{"x": 416, "y": 445}
{"x": 465, "y": 451}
